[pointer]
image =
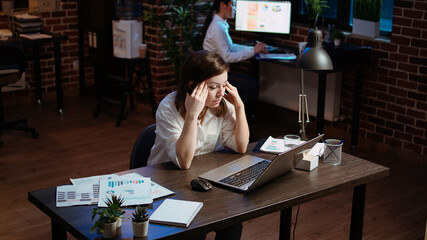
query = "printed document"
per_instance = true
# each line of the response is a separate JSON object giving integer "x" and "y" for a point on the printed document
{"x": 135, "y": 191}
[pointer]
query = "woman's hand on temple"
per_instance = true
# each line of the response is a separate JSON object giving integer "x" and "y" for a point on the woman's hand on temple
{"x": 195, "y": 102}
{"x": 233, "y": 95}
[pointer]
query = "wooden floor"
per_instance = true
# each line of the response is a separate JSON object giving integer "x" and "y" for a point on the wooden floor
{"x": 78, "y": 145}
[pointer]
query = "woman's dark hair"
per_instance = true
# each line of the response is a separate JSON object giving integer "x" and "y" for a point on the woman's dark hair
{"x": 209, "y": 17}
{"x": 197, "y": 68}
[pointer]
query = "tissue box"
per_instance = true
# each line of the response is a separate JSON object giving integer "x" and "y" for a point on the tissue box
{"x": 308, "y": 162}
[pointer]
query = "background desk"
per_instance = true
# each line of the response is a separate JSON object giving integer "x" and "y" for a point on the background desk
{"x": 347, "y": 56}
{"x": 56, "y": 39}
{"x": 223, "y": 207}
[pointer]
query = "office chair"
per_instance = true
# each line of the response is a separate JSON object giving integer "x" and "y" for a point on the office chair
{"x": 13, "y": 63}
{"x": 142, "y": 147}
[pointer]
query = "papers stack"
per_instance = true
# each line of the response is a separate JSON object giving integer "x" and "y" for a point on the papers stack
{"x": 134, "y": 188}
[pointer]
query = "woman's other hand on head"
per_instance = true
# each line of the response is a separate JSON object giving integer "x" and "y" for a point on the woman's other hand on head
{"x": 260, "y": 48}
{"x": 233, "y": 96}
{"x": 195, "y": 102}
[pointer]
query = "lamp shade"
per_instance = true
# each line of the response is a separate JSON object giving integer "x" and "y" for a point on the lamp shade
{"x": 314, "y": 57}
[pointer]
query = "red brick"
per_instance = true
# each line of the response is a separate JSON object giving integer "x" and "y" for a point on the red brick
{"x": 416, "y": 114}
{"x": 401, "y": 21}
{"x": 414, "y": 131}
{"x": 405, "y": 119}
{"x": 395, "y": 108}
{"x": 407, "y": 84}
{"x": 403, "y": 4}
{"x": 421, "y": 124}
{"x": 397, "y": 91}
{"x": 397, "y": 11}
{"x": 396, "y": 30}
{"x": 421, "y": 5}
{"x": 384, "y": 131}
{"x": 405, "y": 102}
{"x": 419, "y": 23}
{"x": 422, "y": 106}
{"x": 418, "y": 43}
{"x": 400, "y": 40}
{"x": 412, "y": 32}
{"x": 399, "y": 57}
{"x": 408, "y": 67}
{"x": 403, "y": 136}
{"x": 385, "y": 114}
{"x": 389, "y": 47}
{"x": 412, "y": 13}
{"x": 409, "y": 50}
{"x": 420, "y": 141}
{"x": 422, "y": 88}
{"x": 418, "y": 60}
{"x": 388, "y": 64}
{"x": 417, "y": 96}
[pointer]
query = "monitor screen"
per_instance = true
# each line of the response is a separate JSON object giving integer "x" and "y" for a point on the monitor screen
{"x": 263, "y": 16}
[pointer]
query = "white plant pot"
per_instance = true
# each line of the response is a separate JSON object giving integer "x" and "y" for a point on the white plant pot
{"x": 110, "y": 230}
{"x": 119, "y": 222}
{"x": 366, "y": 28}
{"x": 337, "y": 42}
{"x": 140, "y": 229}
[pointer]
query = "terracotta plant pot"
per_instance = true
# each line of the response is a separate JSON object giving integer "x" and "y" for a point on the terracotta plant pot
{"x": 140, "y": 229}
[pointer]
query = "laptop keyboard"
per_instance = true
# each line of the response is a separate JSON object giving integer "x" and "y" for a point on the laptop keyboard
{"x": 246, "y": 175}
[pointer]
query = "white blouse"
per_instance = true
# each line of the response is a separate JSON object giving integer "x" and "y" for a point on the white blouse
{"x": 218, "y": 40}
{"x": 212, "y": 135}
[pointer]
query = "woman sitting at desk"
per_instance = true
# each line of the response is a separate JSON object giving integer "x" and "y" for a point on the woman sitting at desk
{"x": 199, "y": 117}
{"x": 216, "y": 36}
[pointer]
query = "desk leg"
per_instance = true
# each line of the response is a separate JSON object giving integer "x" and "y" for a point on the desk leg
{"x": 356, "y": 108}
{"x": 58, "y": 232}
{"x": 36, "y": 58}
{"x": 58, "y": 78}
{"x": 321, "y": 93}
{"x": 357, "y": 212}
{"x": 285, "y": 224}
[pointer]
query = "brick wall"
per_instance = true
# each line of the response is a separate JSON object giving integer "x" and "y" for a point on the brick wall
{"x": 394, "y": 99}
{"x": 394, "y": 106}
{"x": 62, "y": 21}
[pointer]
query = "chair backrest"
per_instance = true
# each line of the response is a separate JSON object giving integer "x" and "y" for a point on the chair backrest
{"x": 13, "y": 63}
{"x": 142, "y": 147}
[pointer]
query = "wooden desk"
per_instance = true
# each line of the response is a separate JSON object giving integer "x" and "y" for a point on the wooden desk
{"x": 224, "y": 207}
{"x": 56, "y": 39}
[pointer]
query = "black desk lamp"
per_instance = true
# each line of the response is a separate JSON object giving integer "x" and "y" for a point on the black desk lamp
{"x": 314, "y": 57}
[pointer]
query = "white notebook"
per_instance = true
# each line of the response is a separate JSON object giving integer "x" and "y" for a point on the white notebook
{"x": 176, "y": 212}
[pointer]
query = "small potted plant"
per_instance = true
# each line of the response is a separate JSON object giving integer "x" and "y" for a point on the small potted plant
{"x": 315, "y": 9}
{"x": 140, "y": 222}
{"x": 116, "y": 202}
{"x": 107, "y": 220}
{"x": 337, "y": 35}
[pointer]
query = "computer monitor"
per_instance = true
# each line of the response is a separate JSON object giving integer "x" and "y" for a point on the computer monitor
{"x": 263, "y": 16}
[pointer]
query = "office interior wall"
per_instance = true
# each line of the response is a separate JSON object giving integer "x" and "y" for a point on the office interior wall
{"x": 394, "y": 104}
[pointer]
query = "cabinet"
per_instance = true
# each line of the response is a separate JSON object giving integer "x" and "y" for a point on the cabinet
{"x": 95, "y": 30}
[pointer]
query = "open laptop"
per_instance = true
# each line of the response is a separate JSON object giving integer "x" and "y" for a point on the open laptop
{"x": 249, "y": 172}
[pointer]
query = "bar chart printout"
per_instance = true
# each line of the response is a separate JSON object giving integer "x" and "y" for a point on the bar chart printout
{"x": 134, "y": 191}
